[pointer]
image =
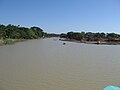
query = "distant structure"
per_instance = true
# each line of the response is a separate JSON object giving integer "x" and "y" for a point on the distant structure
{"x": 98, "y": 42}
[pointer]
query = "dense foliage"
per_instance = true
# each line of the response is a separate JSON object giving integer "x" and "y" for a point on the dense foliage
{"x": 17, "y": 32}
{"x": 51, "y": 35}
{"x": 89, "y": 36}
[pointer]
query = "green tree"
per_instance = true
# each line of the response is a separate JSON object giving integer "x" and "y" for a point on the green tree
{"x": 63, "y": 35}
{"x": 112, "y": 35}
{"x": 38, "y": 31}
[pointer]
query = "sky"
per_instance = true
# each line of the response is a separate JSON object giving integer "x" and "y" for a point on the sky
{"x": 62, "y": 16}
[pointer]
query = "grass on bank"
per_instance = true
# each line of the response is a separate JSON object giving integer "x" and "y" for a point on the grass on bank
{"x": 8, "y": 41}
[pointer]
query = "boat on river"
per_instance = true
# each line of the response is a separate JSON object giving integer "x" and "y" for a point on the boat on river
{"x": 64, "y": 43}
{"x": 111, "y": 88}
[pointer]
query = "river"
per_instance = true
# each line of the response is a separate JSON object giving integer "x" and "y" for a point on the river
{"x": 47, "y": 64}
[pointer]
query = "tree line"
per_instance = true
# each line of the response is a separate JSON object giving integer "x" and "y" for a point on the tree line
{"x": 17, "y": 32}
{"x": 89, "y": 36}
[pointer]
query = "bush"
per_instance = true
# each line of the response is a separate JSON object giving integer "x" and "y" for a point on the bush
{"x": 8, "y": 41}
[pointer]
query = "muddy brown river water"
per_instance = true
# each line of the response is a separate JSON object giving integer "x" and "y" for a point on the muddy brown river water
{"x": 47, "y": 64}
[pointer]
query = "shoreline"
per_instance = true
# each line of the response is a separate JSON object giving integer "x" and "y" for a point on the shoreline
{"x": 13, "y": 41}
{"x": 92, "y": 42}
{"x": 10, "y": 41}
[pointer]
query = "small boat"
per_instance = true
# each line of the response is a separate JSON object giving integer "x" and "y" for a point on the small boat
{"x": 60, "y": 39}
{"x": 111, "y": 88}
{"x": 64, "y": 43}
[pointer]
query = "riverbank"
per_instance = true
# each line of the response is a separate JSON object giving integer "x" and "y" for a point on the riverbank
{"x": 102, "y": 43}
{"x": 93, "y": 42}
{"x": 10, "y": 41}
